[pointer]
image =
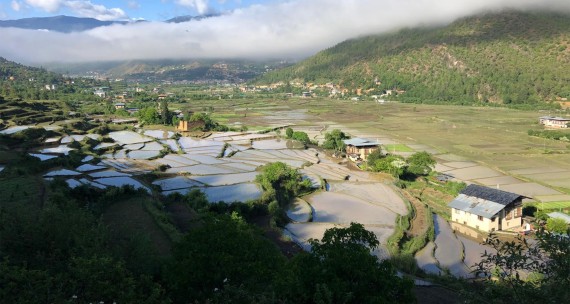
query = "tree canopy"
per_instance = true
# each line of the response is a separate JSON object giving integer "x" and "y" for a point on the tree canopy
{"x": 334, "y": 140}
{"x": 341, "y": 269}
{"x": 528, "y": 272}
{"x": 420, "y": 163}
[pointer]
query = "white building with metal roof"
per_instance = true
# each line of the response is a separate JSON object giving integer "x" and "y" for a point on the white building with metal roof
{"x": 487, "y": 209}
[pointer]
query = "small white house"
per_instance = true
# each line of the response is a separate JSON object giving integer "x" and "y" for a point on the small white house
{"x": 487, "y": 209}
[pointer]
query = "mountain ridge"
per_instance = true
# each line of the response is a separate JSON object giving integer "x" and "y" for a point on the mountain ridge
{"x": 61, "y": 23}
{"x": 506, "y": 57}
{"x": 69, "y": 24}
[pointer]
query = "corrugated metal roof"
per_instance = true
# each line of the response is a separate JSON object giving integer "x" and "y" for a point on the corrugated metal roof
{"x": 477, "y": 206}
{"x": 358, "y": 142}
{"x": 491, "y": 194}
{"x": 560, "y": 215}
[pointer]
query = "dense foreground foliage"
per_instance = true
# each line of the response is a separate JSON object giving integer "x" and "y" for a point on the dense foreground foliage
{"x": 528, "y": 272}
{"x": 62, "y": 245}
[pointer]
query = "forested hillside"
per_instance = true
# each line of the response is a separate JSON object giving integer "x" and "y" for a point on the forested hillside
{"x": 20, "y": 81}
{"x": 508, "y": 57}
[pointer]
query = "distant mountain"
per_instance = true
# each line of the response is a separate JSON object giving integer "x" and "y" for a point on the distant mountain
{"x": 67, "y": 24}
{"x": 64, "y": 24}
{"x": 176, "y": 70}
{"x": 507, "y": 57}
{"x": 187, "y": 18}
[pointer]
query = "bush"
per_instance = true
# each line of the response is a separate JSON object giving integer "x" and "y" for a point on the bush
{"x": 289, "y": 132}
{"x": 556, "y": 225}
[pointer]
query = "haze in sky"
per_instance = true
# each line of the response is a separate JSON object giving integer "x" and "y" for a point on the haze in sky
{"x": 252, "y": 29}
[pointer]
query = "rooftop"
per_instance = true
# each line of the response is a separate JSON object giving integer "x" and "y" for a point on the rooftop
{"x": 477, "y": 206}
{"x": 359, "y": 142}
{"x": 491, "y": 194}
{"x": 554, "y": 118}
{"x": 483, "y": 201}
{"x": 560, "y": 215}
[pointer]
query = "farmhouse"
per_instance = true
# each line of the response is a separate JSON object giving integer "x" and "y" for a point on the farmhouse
{"x": 554, "y": 122}
{"x": 187, "y": 126}
{"x": 360, "y": 148}
{"x": 487, "y": 209}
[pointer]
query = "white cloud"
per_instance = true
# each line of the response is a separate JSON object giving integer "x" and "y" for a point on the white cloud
{"x": 88, "y": 9}
{"x": 16, "y": 6}
{"x": 50, "y": 6}
{"x": 201, "y": 6}
{"x": 296, "y": 28}
{"x": 83, "y": 8}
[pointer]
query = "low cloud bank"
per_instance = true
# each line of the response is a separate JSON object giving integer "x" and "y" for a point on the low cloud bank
{"x": 292, "y": 29}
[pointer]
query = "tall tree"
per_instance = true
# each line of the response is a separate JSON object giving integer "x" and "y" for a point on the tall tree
{"x": 420, "y": 163}
{"x": 341, "y": 269}
{"x": 165, "y": 116}
{"x": 334, "y": 140}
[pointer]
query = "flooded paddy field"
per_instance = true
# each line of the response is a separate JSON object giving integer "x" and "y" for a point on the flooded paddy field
{"x": 200, "y": 164}
{"x": 495, "y": 138}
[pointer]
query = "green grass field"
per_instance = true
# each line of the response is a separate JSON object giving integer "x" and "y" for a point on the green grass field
{"x": 493, "y": 136}
{"x": 397, "y": 148}
{"x": 553, "y": 205}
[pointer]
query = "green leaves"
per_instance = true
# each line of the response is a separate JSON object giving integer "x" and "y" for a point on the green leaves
{"x": 420, "y": 163}
{"x": 223, "y": 252}
{"x": 281, "y": 181}
{"x": 546, "y": 262}
{"x": 334, "y": 140}
{"x": 341, "y": 269}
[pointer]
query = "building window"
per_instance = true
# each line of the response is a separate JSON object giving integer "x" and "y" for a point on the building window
{"x": 493, "y": 219}
{"x": 456, "y": 211}
{"x": 479, "y": 217}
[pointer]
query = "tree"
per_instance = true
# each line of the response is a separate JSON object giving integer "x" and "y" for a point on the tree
{"x": 164, "y": 113}
{"x": 289, "y": 132}
{"x": 301, "y": 136}
{"x": 221, "y": 254}
{"x": 556, "y": 225}
{"x": 341, "y": 269}
{"x": 392, "y": 164}
{"x": 420, "y": 163}
{"x": 149, "y": 115}
{"x": 281, "y": 182}
{"x": 334, "y": 140}
{"x": 528, "y": 272}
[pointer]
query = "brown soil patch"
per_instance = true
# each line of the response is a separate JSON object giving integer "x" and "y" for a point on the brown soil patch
{"x": 419, "y": 224}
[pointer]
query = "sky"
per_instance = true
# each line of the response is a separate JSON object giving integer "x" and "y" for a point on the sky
{"x": 152, "y": 10}
{"x": 247, "y": 29}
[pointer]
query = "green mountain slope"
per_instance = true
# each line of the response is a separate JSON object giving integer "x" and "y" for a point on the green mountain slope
{"x": 508, "y": 57}
{"x": 20, "y": 81}
{"x": 170, "y": 69}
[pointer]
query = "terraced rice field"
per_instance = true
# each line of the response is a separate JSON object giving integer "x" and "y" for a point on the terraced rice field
{"x": 450, "y": 252}
{"x": 199, "y": 164}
